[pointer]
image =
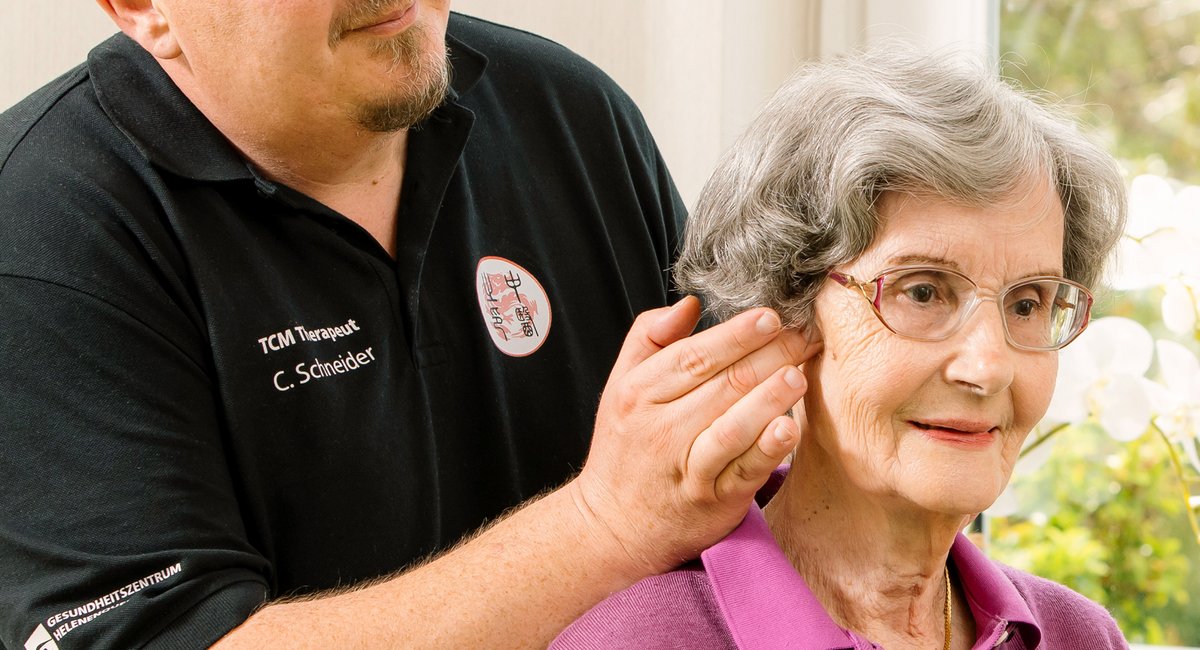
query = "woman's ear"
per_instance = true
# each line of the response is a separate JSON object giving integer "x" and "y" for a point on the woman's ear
{"x": 811, "y": 368}
{"x": 144, "y": 22}
{"x": 812, "y": 334}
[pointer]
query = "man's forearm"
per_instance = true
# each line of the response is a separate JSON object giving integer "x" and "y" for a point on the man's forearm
{"x": 688, "y": 428}
{"x": 516, "y": 584}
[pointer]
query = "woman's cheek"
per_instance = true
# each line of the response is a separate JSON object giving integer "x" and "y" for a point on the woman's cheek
{"x": 1034, "y": 385}
{"x": 862, "y": 389}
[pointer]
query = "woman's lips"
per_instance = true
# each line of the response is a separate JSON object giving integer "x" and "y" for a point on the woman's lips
{"x": 962, "y": 433}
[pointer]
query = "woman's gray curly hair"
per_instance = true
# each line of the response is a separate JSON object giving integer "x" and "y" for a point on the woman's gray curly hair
{"x": 796, "y": 194}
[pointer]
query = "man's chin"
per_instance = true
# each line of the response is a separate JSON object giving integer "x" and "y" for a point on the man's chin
{"x": 410, "y": 101}
{"x": 396, "y": 115}
{"x": 406, "y": 108}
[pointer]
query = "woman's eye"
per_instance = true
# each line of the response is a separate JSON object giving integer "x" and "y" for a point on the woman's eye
{"x": 921, "y": 292}
{"x": 1025, "y": 307}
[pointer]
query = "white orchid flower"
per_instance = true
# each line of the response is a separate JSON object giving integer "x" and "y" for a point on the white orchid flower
{"x": 1179, "y": 307}
{"x": 1177, "y": 399}
{"x": 1101, "y": 376}
{"x": 1158, "y": 249}
{"x": 1151, "y": 201}
{"x": 1135, "y": 265}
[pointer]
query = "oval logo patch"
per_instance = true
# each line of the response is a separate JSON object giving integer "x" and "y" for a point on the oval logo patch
{"x": 515, "y": 307}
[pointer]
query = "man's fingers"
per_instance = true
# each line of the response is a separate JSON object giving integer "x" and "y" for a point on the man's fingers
{"x": 709, "y": 400}
{"x": 688, "y": 363}
{"x": 748, "y": 472}
{"x": 654, "y": 330}
{"x": 735, "y": 442}
{"x": 677, "y": 323}
{"x": 788, "y": 349}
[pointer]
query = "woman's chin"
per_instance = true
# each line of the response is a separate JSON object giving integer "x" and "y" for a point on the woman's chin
{"x": 964, "y": 499}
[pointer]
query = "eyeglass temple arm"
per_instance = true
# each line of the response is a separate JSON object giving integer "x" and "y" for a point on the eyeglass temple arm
{"x": 849, "y": 282}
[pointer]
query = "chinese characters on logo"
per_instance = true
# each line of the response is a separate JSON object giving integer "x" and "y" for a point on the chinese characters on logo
{"x": 514, "y": 306}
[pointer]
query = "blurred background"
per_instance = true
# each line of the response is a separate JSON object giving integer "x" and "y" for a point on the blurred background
{"x": 1106, "y": 496}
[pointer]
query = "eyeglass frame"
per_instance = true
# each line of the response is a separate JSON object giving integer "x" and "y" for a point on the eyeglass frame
{"x": 849, "y": 282}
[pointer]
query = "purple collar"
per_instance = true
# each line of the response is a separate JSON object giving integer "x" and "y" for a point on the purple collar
{"x": 767, "y": 605}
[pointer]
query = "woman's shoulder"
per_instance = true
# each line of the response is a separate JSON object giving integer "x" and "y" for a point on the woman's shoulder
{"x": 672, "y": 610}
{"x": 1067, "y": 618}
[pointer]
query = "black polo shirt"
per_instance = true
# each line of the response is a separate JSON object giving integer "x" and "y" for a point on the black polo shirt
{"x": 215, "y": 390}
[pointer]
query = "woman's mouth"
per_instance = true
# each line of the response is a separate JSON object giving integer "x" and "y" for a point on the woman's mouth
{"x": 960, "y": 433}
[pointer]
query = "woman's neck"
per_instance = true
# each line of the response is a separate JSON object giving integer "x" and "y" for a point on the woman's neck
{"x": 875, "y": 562}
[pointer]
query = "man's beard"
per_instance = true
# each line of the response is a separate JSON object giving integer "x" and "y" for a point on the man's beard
{"x": 418, "y": 94}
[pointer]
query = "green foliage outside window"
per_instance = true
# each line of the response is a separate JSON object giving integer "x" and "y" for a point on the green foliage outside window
{"x": 1105, "y": 518}
{"x": 1132, "y": 65}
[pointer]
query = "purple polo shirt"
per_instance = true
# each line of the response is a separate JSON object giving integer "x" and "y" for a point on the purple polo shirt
{"x": 767, "y": 605}
{"x": 744, "y": 594}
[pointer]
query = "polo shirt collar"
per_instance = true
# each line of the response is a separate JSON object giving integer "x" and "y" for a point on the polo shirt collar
{"x": 764, "y": 601}
{"x": 142, "y": 101}
{"x": 767, "y": 605}
{"x": 466, "y": 65}
{"x": 996, "y": 605}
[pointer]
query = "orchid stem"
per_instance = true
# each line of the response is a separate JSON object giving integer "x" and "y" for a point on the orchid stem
{"x": 1041, "y": 439}
{"x": 1177, "y": 465}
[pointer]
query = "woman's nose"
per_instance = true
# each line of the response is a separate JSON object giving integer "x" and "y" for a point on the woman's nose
{"x": 983, "y": 359}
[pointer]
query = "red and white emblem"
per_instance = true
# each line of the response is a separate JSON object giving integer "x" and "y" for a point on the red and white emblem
{"x": 514, "y": 305}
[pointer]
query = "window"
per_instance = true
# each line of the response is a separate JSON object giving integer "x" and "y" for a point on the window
{"x": 1098, "y": 502}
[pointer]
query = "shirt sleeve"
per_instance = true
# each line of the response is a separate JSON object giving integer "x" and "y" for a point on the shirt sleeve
{"x": 120, "y": 525}
{"x": 662, "y": 203}
{"x": 674, "y": 219}
{"x": 674, "y": 610}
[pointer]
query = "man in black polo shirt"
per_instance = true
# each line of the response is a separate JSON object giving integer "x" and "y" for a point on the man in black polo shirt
{"x": 286, "y": 308}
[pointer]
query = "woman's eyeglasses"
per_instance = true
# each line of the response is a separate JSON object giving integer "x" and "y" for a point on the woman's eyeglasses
{"x": 928, "y": 303}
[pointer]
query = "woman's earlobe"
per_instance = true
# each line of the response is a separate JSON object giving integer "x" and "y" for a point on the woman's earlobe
{"x": 813, "y": 337}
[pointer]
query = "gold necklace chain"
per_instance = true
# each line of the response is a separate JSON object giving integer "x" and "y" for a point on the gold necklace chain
{"x": 948, "y": 610}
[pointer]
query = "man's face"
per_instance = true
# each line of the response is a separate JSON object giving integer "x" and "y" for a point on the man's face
{"x": 378, "y": 63}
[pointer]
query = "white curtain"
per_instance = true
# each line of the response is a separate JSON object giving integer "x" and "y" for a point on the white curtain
{"x": 699, "y": 69}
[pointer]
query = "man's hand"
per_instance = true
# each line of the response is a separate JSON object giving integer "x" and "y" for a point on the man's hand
{"x": 688, "y": 430}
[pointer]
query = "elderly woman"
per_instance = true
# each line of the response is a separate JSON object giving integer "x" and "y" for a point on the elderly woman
{"x": 939, "y": 232}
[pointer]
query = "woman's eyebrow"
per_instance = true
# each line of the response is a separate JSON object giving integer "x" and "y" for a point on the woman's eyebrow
{"x": 934, "y": 260}
{"x": 929, "y": 260}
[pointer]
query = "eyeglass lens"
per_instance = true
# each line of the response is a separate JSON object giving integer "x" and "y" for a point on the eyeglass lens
{"x": 1043, "y": 314}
